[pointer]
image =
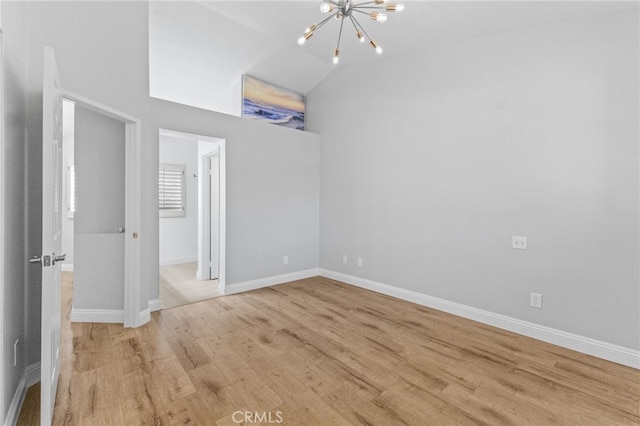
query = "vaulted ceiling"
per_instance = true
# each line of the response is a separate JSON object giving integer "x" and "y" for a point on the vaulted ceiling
{"x": 199, "y": 50}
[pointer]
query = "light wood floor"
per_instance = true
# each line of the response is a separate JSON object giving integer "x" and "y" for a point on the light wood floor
{"x": 179, "y": 285}
{"x": 318, "y": 352}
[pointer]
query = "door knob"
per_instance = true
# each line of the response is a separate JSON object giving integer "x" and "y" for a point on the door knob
{"x": 48, "y": 260}
{"x": 58, "y": 258}
{"x": 44, "y": 260}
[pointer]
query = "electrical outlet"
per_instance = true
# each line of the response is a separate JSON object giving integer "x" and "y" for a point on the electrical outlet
{"x": 360, "y": 262}
{"x": 15, "y": 352}
{"x": 345, "y": 260}
{"x": 519, "y": 243}
{"x": 535, "y": 300}
{"x": 285, "y": 260}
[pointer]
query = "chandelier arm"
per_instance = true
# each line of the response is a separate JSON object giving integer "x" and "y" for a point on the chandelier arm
{"x": 361, "y": 27}
{"x": 362, "y": 4}
{"x": 360, "y": 11}
{"x": 383, "y": 8}
{"x": 340, "y": 32}
{"x": 324, "y": 21}
{"x": 354, "y": 24}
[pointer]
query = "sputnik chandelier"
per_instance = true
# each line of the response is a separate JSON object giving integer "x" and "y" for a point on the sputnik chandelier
{"x": 344, "y": 9}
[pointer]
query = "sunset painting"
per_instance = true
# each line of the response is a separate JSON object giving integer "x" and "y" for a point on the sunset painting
{"x": 271, "y": 103}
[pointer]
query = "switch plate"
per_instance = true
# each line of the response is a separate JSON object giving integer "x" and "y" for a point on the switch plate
{"x": 285, "y": 260}
{"x": 345, "y": 260}
{"x": 519, "y": 243}
{"x": 360, "y": 262}
{"x": 535, "y": 300}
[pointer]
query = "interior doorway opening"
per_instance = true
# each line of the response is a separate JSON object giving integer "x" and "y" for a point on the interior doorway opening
{"x": 68, "y": 183}
{"x": 93, "y": 212}
{"x": 191, "y": 200}
{"x": 88, "y": 120}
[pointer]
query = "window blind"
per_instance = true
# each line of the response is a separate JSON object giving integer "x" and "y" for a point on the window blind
{"x": 171, "y": 186}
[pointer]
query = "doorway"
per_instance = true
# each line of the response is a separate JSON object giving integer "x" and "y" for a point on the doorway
{"x": 191, "y": 202}
{"x": 122, "y": 224}
{"x": 94, "y": 181}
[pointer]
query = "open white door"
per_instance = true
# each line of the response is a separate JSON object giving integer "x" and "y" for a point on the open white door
{"x": 51, "y": 235}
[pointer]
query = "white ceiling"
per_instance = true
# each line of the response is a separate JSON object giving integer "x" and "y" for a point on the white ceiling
{"x": 225, "y": 39}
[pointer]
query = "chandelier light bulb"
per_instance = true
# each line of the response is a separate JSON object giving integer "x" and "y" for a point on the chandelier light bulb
{"x": 360, "y": 36}
{"x": 336, "y": 57}
{"x": 326, "y": 7}
{"x": 395, "y": 7}
{"x": 307, "y": 35}
{"x": 380, "y": 1}
{"x": 378, "y": 16}
{"x": 376, "y": 47}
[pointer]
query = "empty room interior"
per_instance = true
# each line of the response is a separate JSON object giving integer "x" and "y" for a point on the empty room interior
{"x": 320, "y": 212}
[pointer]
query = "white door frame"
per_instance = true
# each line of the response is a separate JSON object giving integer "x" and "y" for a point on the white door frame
{"x": 222, "y": 243}
{"x": 134, "y": 314}
{"x": 2, "y": 176}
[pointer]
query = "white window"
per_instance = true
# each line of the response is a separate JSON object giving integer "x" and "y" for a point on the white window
{"x": 171, "y": 185}
{"x": 71, "y": 191}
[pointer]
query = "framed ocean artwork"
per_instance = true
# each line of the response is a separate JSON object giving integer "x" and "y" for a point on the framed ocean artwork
{"x": 271, "y": 103}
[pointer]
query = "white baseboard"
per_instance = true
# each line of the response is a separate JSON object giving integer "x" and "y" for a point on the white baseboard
{"x": 269, "y": 281}
{"x": 30, "y": 377}
{"x": 32, "y": 374}
{"x": 178, "y": 260}
{"x": 586, "y": 345}
{"x": 97, "y": 315}
{"x": 144, "y": 317}
{"x": 155, "y": 305}
{"x": 66, "y": 267}
{"x": 16, "y": 403}
{"x": 113, "y": 315}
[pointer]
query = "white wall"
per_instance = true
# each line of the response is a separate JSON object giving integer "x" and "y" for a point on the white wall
{"x": 431, "y": 163}
{"x": 16, "y": 291}
{"x": 179, "y": 235}
{"x": 275, "y": 207}
{"x": 196, "y": 57}
{"x": 272, "y": 190}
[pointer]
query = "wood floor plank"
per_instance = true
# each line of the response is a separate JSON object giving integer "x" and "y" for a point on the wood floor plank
{"x": 506, "y": 400}
{"x": 320, "y": 352}
{"x": 477, "y": 408}
{"x": 171, "y": 379}
{"x": 432, "y": 405}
